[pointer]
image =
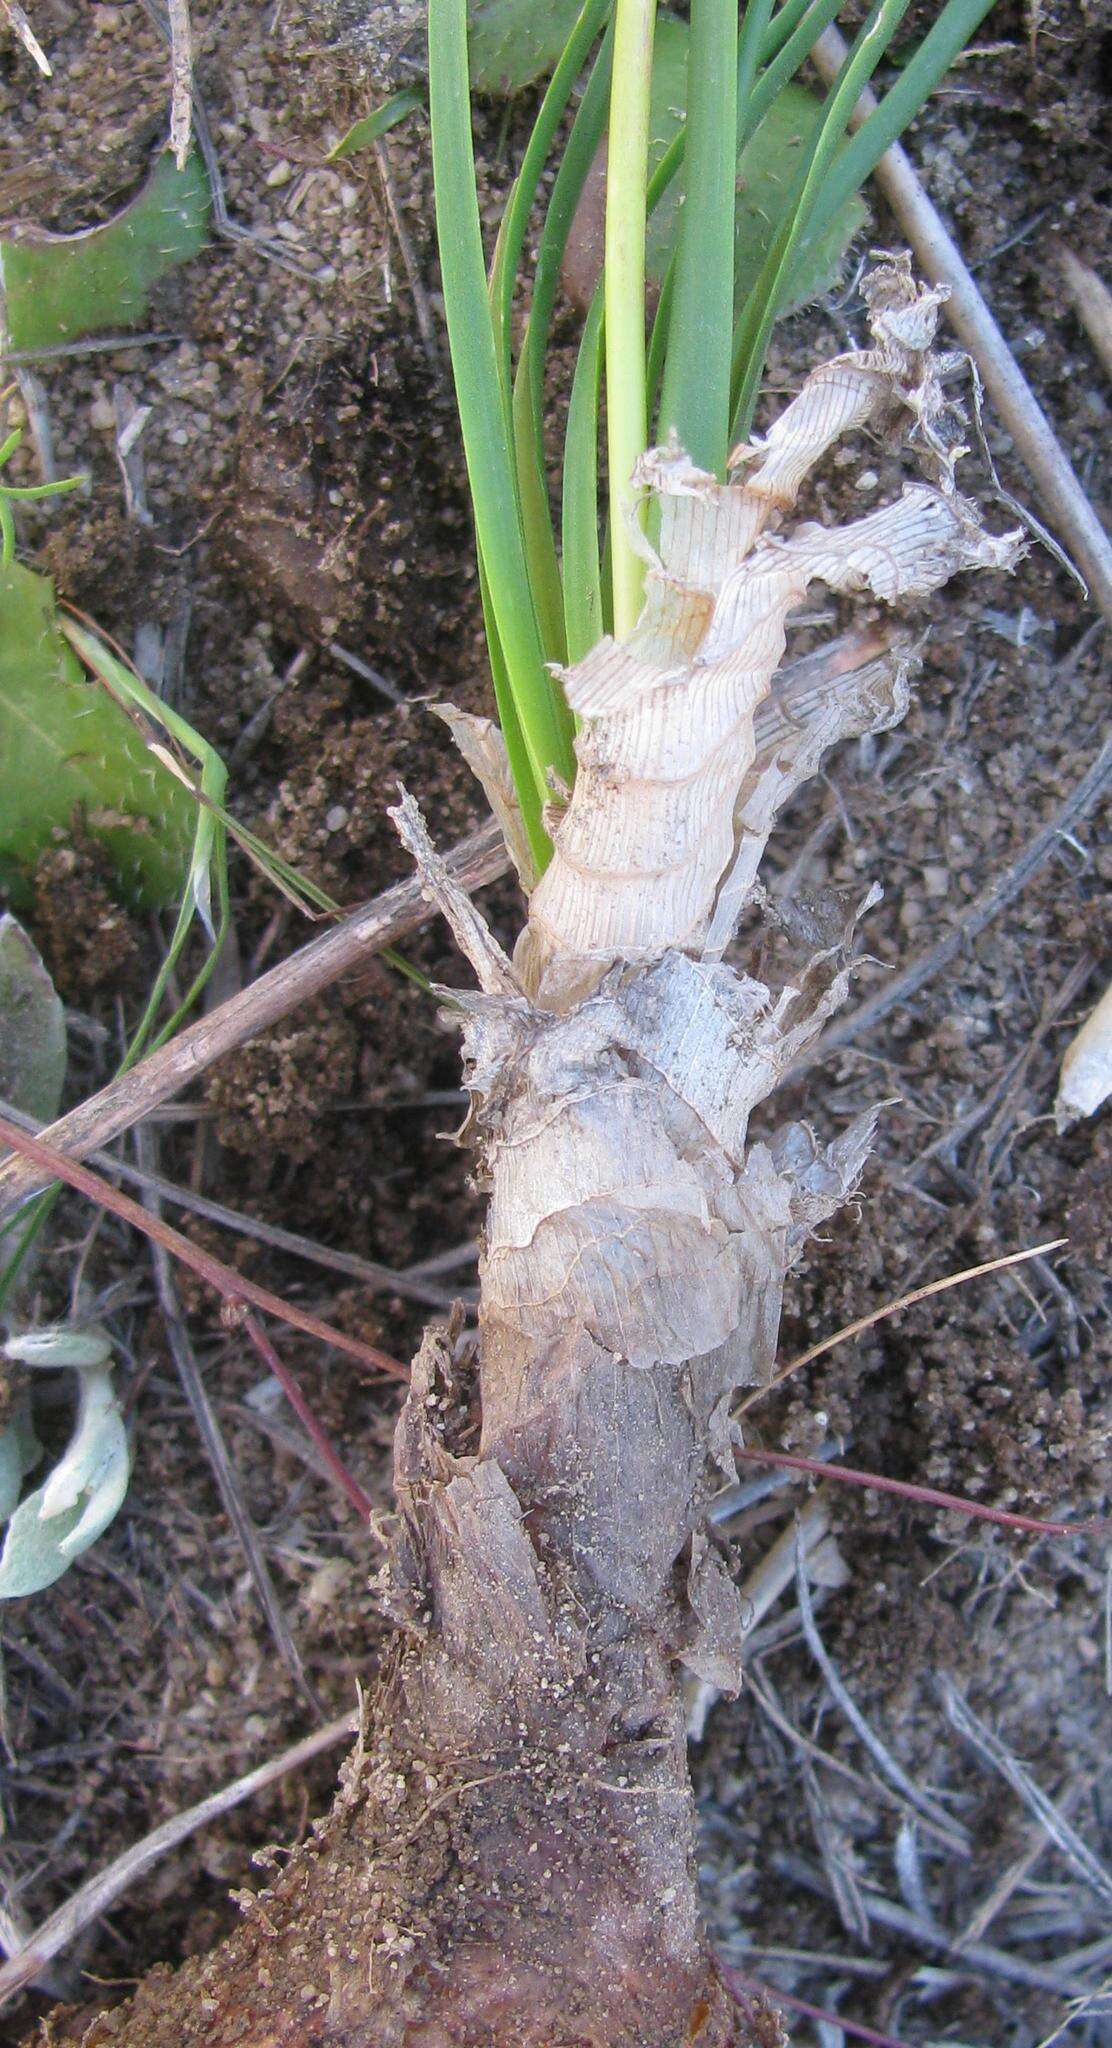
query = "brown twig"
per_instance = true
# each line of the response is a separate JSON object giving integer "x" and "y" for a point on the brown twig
{"x": 891, "y": 1308}
{"x": 411, "y": 1284}
{"x": 99, "y": 1893}
{"x": 928, "y": 1496}
{"x": 742, "y": 1988}
{"x": 234, "y": 1288}
{"x": 1092, "y": 301}
{"x": 181, "y": 79}
{"x": 177, "y": 1064}
{"x": 223, "y": 1471}
{"x": 477, "y": 860}
{"x": 360, "y": 1501}
{"x": 941, "y": 260}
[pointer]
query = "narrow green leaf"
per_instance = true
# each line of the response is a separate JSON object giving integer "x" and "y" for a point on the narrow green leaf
{"x": 768, "y": 294}
{"x": 695, "y": 398}
{"x": 923, "y": 71}
{"x": 483, "y": 404}
{"x": 624, "y": 294}
{"x": 376, "y": 124}
{"x": 540, "y": 545}
{"x": 583, "y": 613}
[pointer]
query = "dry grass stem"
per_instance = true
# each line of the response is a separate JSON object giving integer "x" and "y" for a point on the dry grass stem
{"x": 101, "y": 1892}
{"x": 21, "y": 28}
{"x": 897, "y": 1777}
{"x": 178, "y": 1064}
{"x": 993, "y": 1752}
{"x": 929, "y": 1496}
{"x": 223, "y": 1471}
{"x": 411, "y": 1285}
{"x": 893, "y": 1308}
{"x": 181, "y": 79}
{"x": 1091, "y": 300}
{"x": 980, "y": 913}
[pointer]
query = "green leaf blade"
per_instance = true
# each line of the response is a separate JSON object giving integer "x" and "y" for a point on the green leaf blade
{"x": 60, "y": 287}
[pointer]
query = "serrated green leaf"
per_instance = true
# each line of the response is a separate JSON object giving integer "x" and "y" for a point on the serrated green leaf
{"x": 511, "y": 42}
{"x": 67, "y": 748}
{"x": 60, "y": 287}
{"x": 32, "y": 1027}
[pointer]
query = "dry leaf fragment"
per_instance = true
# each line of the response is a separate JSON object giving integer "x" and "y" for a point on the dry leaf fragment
{"x": 1085, "y": 1082}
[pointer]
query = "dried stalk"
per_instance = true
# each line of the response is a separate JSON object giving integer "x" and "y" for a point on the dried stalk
{"x": 511, "y": 1860}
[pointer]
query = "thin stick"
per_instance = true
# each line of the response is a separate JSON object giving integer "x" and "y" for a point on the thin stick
{"x": 876, "y": 1482}
{"x": 389, "y": 917}
{"x": 360, "y": 1501}
{"x": 1092, "y": 302}
{"x": 22, "y": 30}
{"x": 234, "y": 1288}
{"x": 973, "y": 921}
{"x": 422, "y": 312}
{"x": 181, "y": 79}
{"x": 384, "y": 1279}
{"x": 941, "y": 260}
{"x": 223, "y": 1471}
{"x": 993, "y": 1752}
{"x": 893, "y": 1308}
{"x": 475, "y": 861}
{"x": 978, "y": 1959}
{"x": 897, "y": 1777}
{"x": 741, "y": 1987}
{"x": 99, "y": 1893}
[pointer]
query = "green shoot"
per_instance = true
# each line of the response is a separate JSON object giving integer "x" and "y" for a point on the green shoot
{"x": 376, "y": 124}
{"x": 545, "y": 728}
{"x": 728, "y": 268}
{"x": 771, "y": 287}
{"x": 695, "y": 400}
{"x": 624, "y": 296}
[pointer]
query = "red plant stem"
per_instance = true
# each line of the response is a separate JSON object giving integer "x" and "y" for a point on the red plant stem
{"x": 360, "y": 1501}
{"x": 224, "y": 1279}
{"x": 739, "y": 1986}
{"x": 928, "y": 1495}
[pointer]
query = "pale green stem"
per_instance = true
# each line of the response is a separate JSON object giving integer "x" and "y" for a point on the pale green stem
{"x": 626, "y": 403}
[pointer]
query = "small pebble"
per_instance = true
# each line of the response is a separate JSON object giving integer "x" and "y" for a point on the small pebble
{"x": 336, "y": 818}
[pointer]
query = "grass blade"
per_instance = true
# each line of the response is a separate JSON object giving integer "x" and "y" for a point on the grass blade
{"x": 536, "y": 520}
{"x": 583, "y": 614}
{"x": 624, "y": 294}
{"x": 483, "y": 403}
{"x": 695, "y": 399}
{"x": 764, "y": 300}
{"x": 957, "y": 23}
